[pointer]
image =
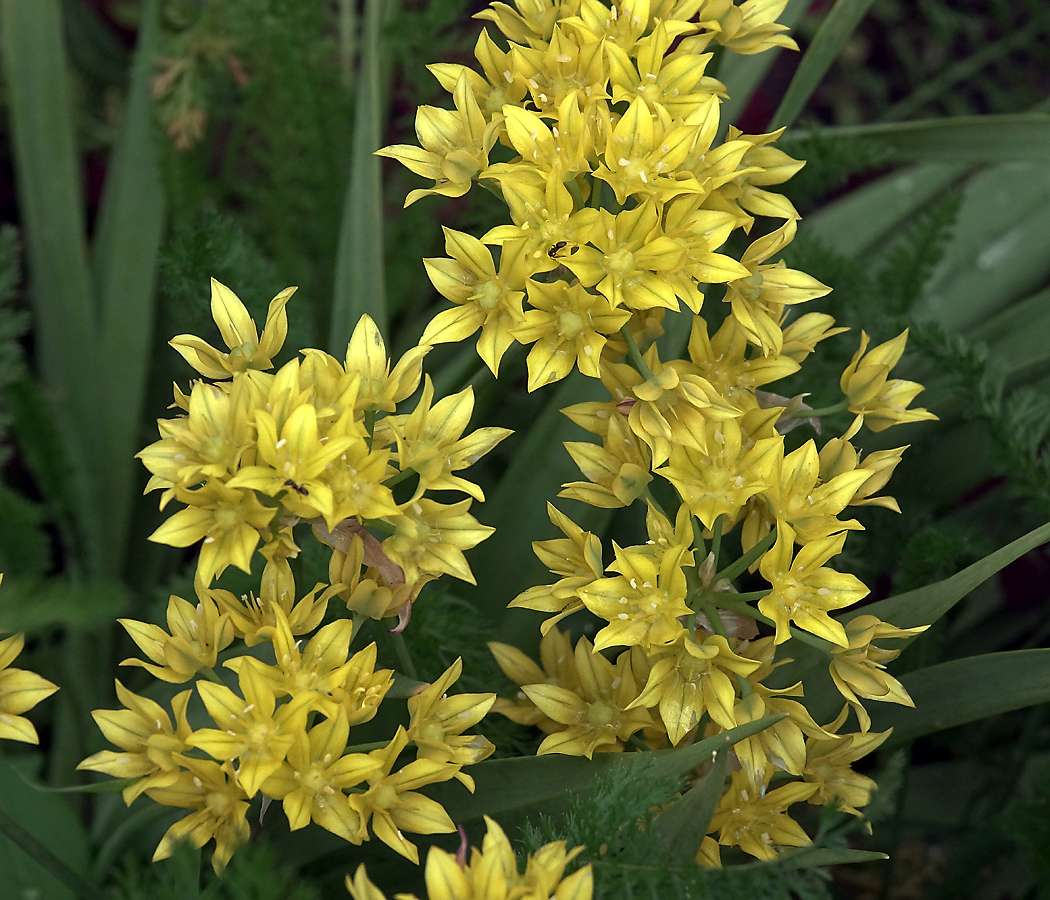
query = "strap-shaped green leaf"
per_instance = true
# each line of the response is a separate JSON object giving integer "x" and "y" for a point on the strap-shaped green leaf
{"x": 965, "y": 690}
{"x": 509, "y": 787}
{"x": 926, "y": 605}
{"x": 1012, "y": 137}
{"x": 360, "y": 286}
{"x": 50, "y": 199}
{"x": 834, "y": 31}
{"x": 127, "y": 240}
{"x": 683, "y": 825}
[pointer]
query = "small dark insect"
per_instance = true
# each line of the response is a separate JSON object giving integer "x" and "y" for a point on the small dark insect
{"x": 556, "y": 249}
{"x": 298, "y": 488}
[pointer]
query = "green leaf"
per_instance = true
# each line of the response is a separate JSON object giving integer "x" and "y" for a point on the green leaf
{"x": 1016, "y": 336}
{"x": 28, "y": 604}
{"x": 49, "y": 194}
{"x": 505, "y": 565}
{"x": 854, "y": 224}
{"x": 33, "y": 826}
{"x": 742, "y": 74}
{"x": 683, "y": 825}
{"x": 509, "y": 787}
{"x": 999, "y": 251}
{"x": 359, "y": 283}
{"x": 131, "y": 221}
{"x": 1013, "y": 137}
{"x": 808, "y": 858}
{"x": 965, "y": 690}
{"x": 832, "y": 36}
{"x": 926, "y": 605}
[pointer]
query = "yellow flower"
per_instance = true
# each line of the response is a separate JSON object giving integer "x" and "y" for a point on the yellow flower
{"x": 220, "y": 810}
{"x": 492, "y": 874}
{"x": 599, "y": 715}
{"x": 858, "y": 668}
{"x": 644, "y": 601}
{"x": 198, "y": 634}
{"x": 250, "y": 730}
{"x": 803, "y": 590}
{"x": 151, "y": 749}
{"x": 254, "y": 618}
{"x": 429, "y": 441}
{"x": 629, "y": 259}
{"x": 247, "y": 350}
{"x": 878, "y": 401}
{"x": 828, "y": 762}
{"x": 689, "y": 679}
{"x": 558, "y": 669}
{"x": 392, "y": 803}
{"x": 20, "y": 691}
{"x": 226, "y": 518}
{"x": 430, "y": 539}
{"x": 759, "y": 824}
{"x": 484, "y": 298}
{"x": 617, "y": 472}
{"x": 310, "y": 783}
{"x": 566, "y": 326}
{"x": 454, "y": 145}
{"x": 381, "y": 388}
{"x": 437, "y": 723}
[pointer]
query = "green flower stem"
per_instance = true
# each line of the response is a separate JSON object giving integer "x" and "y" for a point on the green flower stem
{"x": 826, "y": 410}
{"x": 716, "y": 539}
{"x": 399, "y": 477}
{"x": 634, "y": 355}
{"x": 698, "y": 538}
{"x": 739, "y": 566}
{"x": 639, "y": 743}
{"x": 380, "y": 525}
{"x": 655, "y": 504}
{"x": 209, "y": 673}
{"x": 370, "y": 425}
{"x": 80, "y": 887}
{"x": 711, "y": 611}
{"x": 365, "y": 748}
{"x": 596, "y": 192}
{"x": 403, "y": 656}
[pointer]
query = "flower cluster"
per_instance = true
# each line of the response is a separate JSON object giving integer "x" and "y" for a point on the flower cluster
{"x": 492, "y": 873}
{"x": 598, "y": 126}
{"x": 253, "y": 455}
{"x": 20, "y": 691}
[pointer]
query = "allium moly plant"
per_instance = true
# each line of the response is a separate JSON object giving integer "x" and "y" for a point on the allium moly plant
{"x": 598, "y": 125}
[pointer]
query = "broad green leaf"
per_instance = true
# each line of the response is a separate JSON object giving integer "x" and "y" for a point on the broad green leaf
{"x": 965, "y": 690}
{"x": 33, "y": 827}
{"x": 1012, "y": 137}
{"x": 49, "y": 192}
{"x": 1016, "y": 336}
{"x": 510, "y": 787}
{"x": 743, "y": 74}
{"x": 1000, "y": 248}
{"x": 834, "y": 31}
{"x": 926, "y": 605}
{"x": 683, "y": 825}
{"x": 857, "y": 222}
{"x": 359, "y": 282}
{"x": 131, "y": 220}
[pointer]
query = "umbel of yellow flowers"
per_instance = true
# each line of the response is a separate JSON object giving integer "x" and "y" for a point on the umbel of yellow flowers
{"x": 598, "y": 124}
